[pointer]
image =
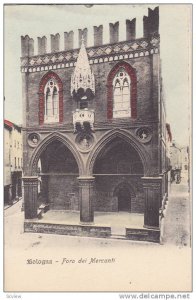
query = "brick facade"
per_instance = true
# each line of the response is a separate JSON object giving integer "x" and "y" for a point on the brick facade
{"x": 139, "y": 135}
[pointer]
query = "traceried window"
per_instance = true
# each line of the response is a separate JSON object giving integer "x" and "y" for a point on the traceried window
{"x": 121, "y": 94}
{"x": 51, "y": 93}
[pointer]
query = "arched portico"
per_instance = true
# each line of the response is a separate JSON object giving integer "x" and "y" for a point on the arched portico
{"x": 126, "y": 136}
{"x": 55, "y": 136}
{"x": 61, "y": 165}
{"x": 118, "y": 161}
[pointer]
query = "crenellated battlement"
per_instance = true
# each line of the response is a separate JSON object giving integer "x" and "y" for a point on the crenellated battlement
{"x": 99, "y": 53}
{"x": 68, "y": 40}
{"x": 151, "y": 22}
{"x": 42, "y": 42}
{"x": 150, "y": 28}
{"x": 114, "y": 32}
{"x": 98, "y": 35}
{"x": 27, "y": 46}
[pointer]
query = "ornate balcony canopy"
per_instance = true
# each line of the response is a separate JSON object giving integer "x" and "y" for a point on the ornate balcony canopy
{"x": 82, "y": 79}
{"x": 82, "y": 118}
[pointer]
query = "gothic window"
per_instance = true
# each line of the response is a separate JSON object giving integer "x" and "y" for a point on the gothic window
{"x": 121, "y": 94}
{"x": 51, "y": 94}
{"x": 50, "y": 99}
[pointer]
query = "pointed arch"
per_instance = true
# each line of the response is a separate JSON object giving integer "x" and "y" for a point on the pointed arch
{"x": 50, "y": 75}
{"x": 45, "y": 142}
{"x": 125, "y": 136}
{"x": 133, "y": 91}
{"x": 126, "y": 184}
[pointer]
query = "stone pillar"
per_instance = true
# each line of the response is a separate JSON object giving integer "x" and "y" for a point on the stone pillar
{"x": 152, "y": 194}
{"x": 44, "y": 189}
{"x": 86, "y": 195}
{"x": 30, "y": 196}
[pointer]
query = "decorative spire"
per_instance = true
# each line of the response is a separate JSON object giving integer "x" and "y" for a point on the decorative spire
{"x": 82, "y": 77}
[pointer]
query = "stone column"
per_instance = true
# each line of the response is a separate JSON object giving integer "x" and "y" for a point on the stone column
{"x": 152, "y": 195}
{"x": 86, "y": 195}
{"x": 30, "y": 196}
{"x": 44, "y": 189}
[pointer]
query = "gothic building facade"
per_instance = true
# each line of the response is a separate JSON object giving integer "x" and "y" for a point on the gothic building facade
{"x": 94, "y": 129}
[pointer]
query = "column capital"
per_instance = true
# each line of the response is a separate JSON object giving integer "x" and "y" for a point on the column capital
{"x": 28, "y": 180}
{"x": 86, "y": 180}
{"x": 30, "y": 177}
{"x": 152, "y": 178}
{"x": 151, "y": 181}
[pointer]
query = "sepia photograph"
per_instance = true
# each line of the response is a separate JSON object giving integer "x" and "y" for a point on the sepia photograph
{"x": 97, "y": 148}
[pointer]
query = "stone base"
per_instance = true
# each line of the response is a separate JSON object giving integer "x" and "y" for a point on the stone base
{"x": 74, "y": 230}
{"x": 148, "y": 235}
{"x": 90, "y": 230}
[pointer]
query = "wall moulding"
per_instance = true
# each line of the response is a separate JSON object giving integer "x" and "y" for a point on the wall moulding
{"x": 115, "y": 52}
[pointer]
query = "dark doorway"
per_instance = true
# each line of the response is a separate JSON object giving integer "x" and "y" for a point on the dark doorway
{"x": 124, "y": 199}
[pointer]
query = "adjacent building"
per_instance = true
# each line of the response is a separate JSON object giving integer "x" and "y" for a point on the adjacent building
{"x": 179, "y": 160}
{"x": 185, "y": 159}
{"x": 13, "y": 162}
{"x": 94, "y": 131}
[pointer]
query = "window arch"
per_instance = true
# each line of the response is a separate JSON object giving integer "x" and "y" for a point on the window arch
{"x": 50, "y": 99}
{"x": 51, "y": 96}
{"x": 122, "y": 92}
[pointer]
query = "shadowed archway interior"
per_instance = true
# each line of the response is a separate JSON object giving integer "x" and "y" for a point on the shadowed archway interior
{"x": 58, "y": 176}
{"x": 124, "y": 199}
{"x": 118, "y": 164}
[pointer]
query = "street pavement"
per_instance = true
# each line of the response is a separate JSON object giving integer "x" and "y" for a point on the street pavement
{"x": 177, "y": 223}
{"x": 137, "y": 266}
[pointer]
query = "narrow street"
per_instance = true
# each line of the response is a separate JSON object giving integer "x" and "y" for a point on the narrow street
{"x": 169, "y": 264}
{"x": 177, "y": 223}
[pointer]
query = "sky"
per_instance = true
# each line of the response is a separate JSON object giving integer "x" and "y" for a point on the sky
{"x": 39, "y": 20}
